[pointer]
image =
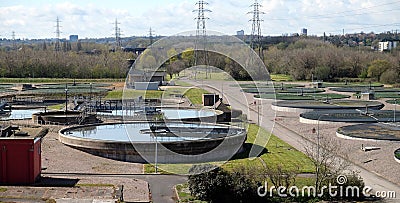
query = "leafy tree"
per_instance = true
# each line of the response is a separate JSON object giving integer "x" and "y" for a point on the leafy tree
{"x": 377, "y": 67}
{"x": 172, "y": 55}
{"x": 322, "y": 72}
{"x": 175, "y": 67}
{"x": 211, "y": 185}
{"x": 188, "y": 57}
{"x": 390, "y": 76}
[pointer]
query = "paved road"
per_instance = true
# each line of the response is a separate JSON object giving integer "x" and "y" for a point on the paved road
{"x": 240, "y": 100}
{"x": 161, "y": 186}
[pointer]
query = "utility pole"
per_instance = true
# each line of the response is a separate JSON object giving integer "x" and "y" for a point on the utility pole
{"x": 151, "y": 36}
{"x": 318, "y": 153}
{"x": 201, "y": 34}
{"x": 117, "y": 35}
{"x": 57, "y": 46}
{"x": 255, "y": 41}
{"x": 14, "y": 45}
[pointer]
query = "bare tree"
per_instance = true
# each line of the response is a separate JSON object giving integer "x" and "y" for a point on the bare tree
{"x": 281, "y": 177}
{"x": 327, "y": 159}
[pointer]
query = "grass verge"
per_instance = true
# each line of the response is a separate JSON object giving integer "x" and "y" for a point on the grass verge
{"x": 281, "y": 77}
{"x": 147, "y": 94}
{"x": 277, "y": 152}
{"x": 195, "y": 95}
{"x": 56, "y": 107}
{"x": 184, "y": 194}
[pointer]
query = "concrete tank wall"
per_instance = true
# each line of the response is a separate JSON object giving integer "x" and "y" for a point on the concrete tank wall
{"x": 217, "y": 149}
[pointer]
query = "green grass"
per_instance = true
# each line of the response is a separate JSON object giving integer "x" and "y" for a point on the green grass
{"x": 56, "y": 107}
{"x": 3, "y": 189}
{"x": 392, "y": 101}
{"x": 281, "y": 77}
{"x": 351, "y": 84}
{"x": 168, "y": 168}
{"x": 397, "y": 155}
{"x": 195, "y": 95}
{"x": 388, "y": 95}
{"x": 184, "y": 194}
{"x": 148, "y": 94}
{"x": 218, "y": 76}
{"x": 276, "y": 85}
{"x": 182, "y": 83}
{"x": 279, "y": 152}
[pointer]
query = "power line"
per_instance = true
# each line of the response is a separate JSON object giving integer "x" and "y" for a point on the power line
{"x": 358, "y": 14}
{"x": 255, "y": 41}
{"x": 360, "y": 9}
{"x": 332, "y": 15}
{"x": 13, "y": 40}
{"x": 201, "y": 33}
{"x": 151, "y": 32}
{"x": 372, "y": 26}
{"x": 57, "y": 46}
{"x": 117, "y": 34}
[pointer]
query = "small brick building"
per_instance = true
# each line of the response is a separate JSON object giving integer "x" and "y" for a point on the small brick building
{"x": 20, "y": 158}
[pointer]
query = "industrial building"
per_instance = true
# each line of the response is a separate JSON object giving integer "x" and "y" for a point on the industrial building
{"x": 20, "y": 159}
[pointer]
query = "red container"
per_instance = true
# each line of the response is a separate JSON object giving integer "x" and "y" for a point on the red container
{"x": 20, "y": 160}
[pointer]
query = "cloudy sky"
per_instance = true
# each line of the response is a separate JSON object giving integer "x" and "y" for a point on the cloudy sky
{"x": 95, "y": 18}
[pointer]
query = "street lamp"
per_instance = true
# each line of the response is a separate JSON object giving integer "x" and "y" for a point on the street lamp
{"x": 155, "y": 158}
{"x": 258, "y": 114}
{"x": 318, "y": 149}
{"x": 394, "y": 111}
{"x": 90, "y": 96}
{"x": 156, "y": 147}
{"x": 66, "y": 98}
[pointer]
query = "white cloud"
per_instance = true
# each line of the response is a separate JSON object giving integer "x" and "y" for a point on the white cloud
{"x": 168, "y": 17}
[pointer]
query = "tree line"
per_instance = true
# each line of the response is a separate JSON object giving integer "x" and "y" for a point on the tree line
{"x": 303, "y": 59}
{"x": 72, "y": 61}
{"x": 306, "y": 58}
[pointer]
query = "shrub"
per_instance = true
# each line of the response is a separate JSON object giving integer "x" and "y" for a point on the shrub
{"x": 218, "y": 185}
{"x": 212, "y": 185}
{"x": 353, "y": 180}
{"x": 389, "y": 77}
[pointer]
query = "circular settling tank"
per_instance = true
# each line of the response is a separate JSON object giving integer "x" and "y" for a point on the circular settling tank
{"x": 171, "y": 113}
{"x": 350, "y": 116}
{"x": 165, "y": 142}
{"x": 63, "y": 117}
{"x": 371, "y": 131}
{"x": 397, "y": 155}
{"x": 16, "y": 114}
{"x": 306, "y": 106}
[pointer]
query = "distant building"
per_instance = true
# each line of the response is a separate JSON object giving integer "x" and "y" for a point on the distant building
{"x": 240, "y": 33}
{"x": 73, "y": 38}
{"x": 303, "y": 32}
{"x": 387, "y": 46}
